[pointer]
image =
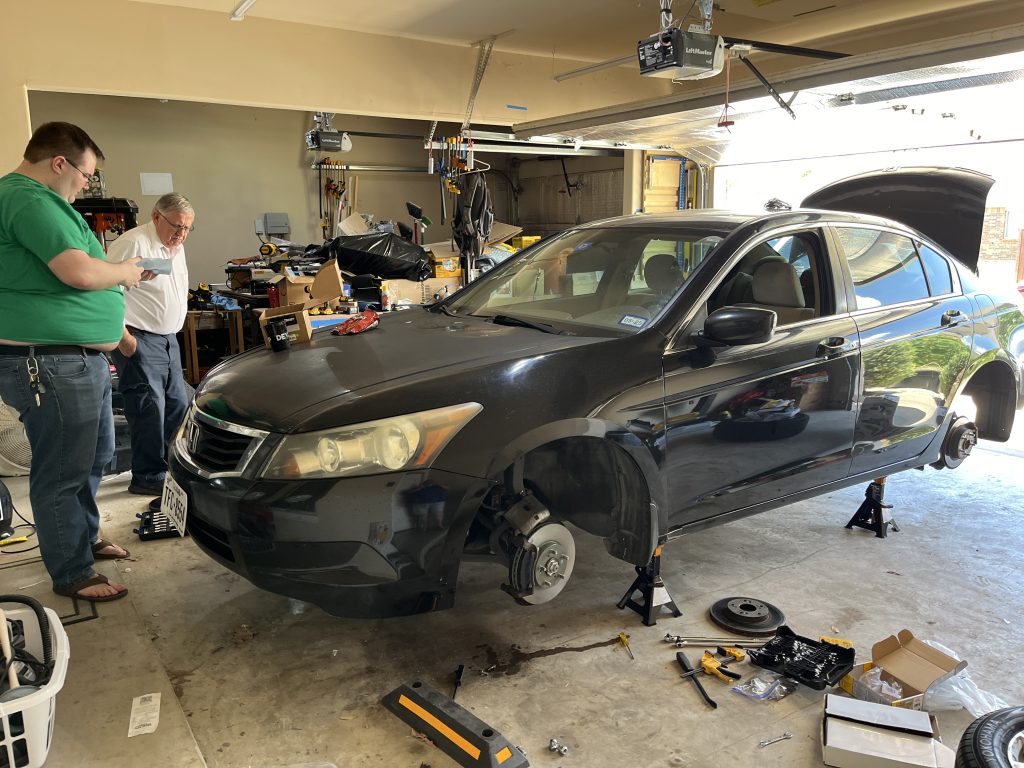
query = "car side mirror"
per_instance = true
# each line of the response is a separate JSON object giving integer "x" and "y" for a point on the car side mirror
{"x": 731, "y": 327}
{"x": 735, "y": 326}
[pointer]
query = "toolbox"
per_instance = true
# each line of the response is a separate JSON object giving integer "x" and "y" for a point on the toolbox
{"x": 815, "y": 663}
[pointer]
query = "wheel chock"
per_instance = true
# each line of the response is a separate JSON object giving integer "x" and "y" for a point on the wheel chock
{"x": 454, "y": 730}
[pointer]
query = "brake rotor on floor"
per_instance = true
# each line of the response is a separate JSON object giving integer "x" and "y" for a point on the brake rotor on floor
{"x": 746, "y": 616}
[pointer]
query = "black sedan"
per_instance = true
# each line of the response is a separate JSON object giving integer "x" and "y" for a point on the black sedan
{"x": 634, "y": 379}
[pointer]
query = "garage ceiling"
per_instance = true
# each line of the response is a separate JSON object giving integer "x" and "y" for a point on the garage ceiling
{"x": 598, "y": 30}
{"x": 911, "y": 62}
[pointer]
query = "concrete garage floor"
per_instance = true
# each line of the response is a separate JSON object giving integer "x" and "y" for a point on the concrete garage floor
{"x": 249, "y": 679}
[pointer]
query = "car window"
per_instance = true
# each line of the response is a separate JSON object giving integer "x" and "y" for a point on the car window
{"x": 615, "y": 279}
{"x": 784, "y": 274}
{"x": 940, "y": 281}
{"x": 884, "y": 266}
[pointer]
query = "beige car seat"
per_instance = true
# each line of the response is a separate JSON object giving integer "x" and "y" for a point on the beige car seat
{"x": 775, "y": 286}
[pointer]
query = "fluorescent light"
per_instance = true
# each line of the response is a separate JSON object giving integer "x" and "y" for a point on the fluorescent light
{"x": 239, "y": 13}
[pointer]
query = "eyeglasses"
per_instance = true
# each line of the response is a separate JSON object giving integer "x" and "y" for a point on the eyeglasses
{"x": 88, "y": 176}
{"x": 179, "y": 228}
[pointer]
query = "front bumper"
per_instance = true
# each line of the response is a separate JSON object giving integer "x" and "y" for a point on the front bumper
{"x": 360, "y": 547}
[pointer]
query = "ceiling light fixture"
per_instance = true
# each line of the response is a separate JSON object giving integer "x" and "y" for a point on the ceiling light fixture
{"x": 239, "y": 13}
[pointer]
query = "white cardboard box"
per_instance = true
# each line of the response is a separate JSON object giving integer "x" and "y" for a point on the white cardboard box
{"x": 862, "y": 734}
{"x": 904, "y": 659}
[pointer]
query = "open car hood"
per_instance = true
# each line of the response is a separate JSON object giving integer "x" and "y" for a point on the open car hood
{"x": 944, "y": 204}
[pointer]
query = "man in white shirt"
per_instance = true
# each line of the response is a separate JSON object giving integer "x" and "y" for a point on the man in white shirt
{"x": 147, "y": 358}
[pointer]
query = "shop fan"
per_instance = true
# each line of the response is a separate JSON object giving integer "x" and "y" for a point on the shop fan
{"x": 15, "y": 453}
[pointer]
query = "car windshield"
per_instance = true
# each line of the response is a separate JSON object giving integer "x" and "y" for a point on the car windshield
{"x": 593, "y": 281}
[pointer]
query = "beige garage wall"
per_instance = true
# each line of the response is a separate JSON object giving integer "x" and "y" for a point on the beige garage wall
{"x": 117, "y": 47}
{"x": 235, "y": 163}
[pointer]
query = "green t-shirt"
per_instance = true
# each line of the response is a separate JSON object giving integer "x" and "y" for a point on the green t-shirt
{"x": 37, "y": 224}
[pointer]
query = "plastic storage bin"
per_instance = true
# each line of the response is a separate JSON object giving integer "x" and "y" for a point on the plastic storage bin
{"x": 26, "y": 724}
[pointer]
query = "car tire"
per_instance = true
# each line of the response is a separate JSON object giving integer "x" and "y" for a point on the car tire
{"x": 995, "y": 740}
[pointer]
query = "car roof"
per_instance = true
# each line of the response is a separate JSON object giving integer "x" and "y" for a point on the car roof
{"x": 726, "y": 219}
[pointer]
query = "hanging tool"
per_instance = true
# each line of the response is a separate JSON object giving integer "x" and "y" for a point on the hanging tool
{"x": 689, "y": 672}
{"x": 624, "y": 639}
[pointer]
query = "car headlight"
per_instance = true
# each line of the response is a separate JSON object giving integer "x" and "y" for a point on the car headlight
{"x": 388, "y": 445}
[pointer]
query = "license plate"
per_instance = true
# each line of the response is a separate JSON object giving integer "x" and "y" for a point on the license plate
{"x": 174, "y": 503}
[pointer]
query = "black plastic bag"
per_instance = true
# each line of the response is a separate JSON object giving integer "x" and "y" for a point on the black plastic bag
{"x": 384, "y": 255}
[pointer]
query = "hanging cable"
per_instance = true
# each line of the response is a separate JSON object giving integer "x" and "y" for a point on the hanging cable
{"x": 724, "y": 121}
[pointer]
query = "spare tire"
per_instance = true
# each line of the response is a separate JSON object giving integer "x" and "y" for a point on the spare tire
{"x": 995, "y": 740}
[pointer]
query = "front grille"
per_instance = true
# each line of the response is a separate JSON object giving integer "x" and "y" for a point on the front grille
{"x": 215, "y": 449}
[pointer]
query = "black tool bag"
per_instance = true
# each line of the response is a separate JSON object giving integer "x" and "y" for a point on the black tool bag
{"x": 473, "y": 219}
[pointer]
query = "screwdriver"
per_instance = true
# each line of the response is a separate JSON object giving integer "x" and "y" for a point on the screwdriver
{"x": 624, "y": 639}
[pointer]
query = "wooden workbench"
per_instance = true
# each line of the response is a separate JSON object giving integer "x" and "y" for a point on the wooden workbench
{"x": 211, "y": 319}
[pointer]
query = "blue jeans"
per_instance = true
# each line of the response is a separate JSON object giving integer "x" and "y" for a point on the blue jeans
{"x": 104, "y": 444}
{"x": 63, "y": 431}
{"x": 155, "y": 400}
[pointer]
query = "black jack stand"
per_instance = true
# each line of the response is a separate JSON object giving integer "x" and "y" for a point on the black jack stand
{"x": 870, "y": 515}
{"x": 652, "y": 591}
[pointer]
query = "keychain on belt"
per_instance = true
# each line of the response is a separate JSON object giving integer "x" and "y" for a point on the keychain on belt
{"x": 34, "y": 382}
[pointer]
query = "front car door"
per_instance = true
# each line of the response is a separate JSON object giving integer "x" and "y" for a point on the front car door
{"x": 915, "y": 332}
{"x": 762, "y": 422}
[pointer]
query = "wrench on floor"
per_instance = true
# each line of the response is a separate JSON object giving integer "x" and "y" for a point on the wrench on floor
{"x": 783, "y": 737}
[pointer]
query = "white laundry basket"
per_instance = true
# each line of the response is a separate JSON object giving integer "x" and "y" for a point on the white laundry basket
{"x": 26, "y": 724}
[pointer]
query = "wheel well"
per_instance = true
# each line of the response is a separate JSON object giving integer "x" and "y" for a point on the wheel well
{"x": 994, "y": 392}
{"x": 595, "y": 485}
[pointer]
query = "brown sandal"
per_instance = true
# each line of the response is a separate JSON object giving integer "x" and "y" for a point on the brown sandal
{"x": 94, "y": 580}
{"x": 102, "y": 544}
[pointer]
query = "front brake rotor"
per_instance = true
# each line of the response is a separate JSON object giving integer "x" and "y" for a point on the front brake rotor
{"x": 746, "y": 616}
{"x": 540, "y": 569}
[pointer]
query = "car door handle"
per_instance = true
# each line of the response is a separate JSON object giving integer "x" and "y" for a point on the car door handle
{"x": 952, "y": 317}
{"x": 835, "y": 345}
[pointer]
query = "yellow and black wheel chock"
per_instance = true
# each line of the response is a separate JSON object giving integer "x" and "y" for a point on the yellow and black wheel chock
{"x": 454, "y": 730}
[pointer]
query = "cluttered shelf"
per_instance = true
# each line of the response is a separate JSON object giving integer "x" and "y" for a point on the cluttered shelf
{"x": 200, "y": 357}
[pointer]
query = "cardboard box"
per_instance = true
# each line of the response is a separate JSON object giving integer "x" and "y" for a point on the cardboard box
{"x": 904, "y": 659}
{"x": 860, "y": 734}
{"x": 292, "y": 289}
{"x": 352, "y": 225}
{"x": 524, "y": 241}
{"x": 422, "y": 293}
{"x": 326, "y": 287}
{"x": 499, "y": 234}
{"x": 446, "y": 266}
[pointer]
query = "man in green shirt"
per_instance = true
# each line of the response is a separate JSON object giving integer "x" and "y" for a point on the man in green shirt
{"x": 61, "y": 306}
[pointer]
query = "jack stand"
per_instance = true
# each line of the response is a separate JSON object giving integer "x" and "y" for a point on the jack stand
{"x": 652, "y": 591}
{"x": 871, "y": 513}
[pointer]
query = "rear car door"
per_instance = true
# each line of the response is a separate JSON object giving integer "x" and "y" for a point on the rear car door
{"x": 764, "y": 421}
{"x": 915, "y": 334}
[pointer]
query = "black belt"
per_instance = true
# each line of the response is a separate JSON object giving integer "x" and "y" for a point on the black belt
{"x": 134, "y": 331}
{"x": 39, "y": 350}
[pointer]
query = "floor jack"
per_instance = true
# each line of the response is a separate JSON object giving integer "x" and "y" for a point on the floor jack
{"x": 652, "y": 591}
{"x": 871, "y": 514}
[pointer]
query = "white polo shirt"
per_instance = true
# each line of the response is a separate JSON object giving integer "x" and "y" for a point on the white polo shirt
{"x": 158, "y": 305}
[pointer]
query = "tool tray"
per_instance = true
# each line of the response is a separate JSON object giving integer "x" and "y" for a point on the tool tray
{"x": 155, "y": 525}
{"x": 814, "y": 663}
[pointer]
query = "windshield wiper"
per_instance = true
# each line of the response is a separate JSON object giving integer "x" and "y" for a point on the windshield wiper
{"x": 443, "y": 308}
{"x": 509, "y": 320}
